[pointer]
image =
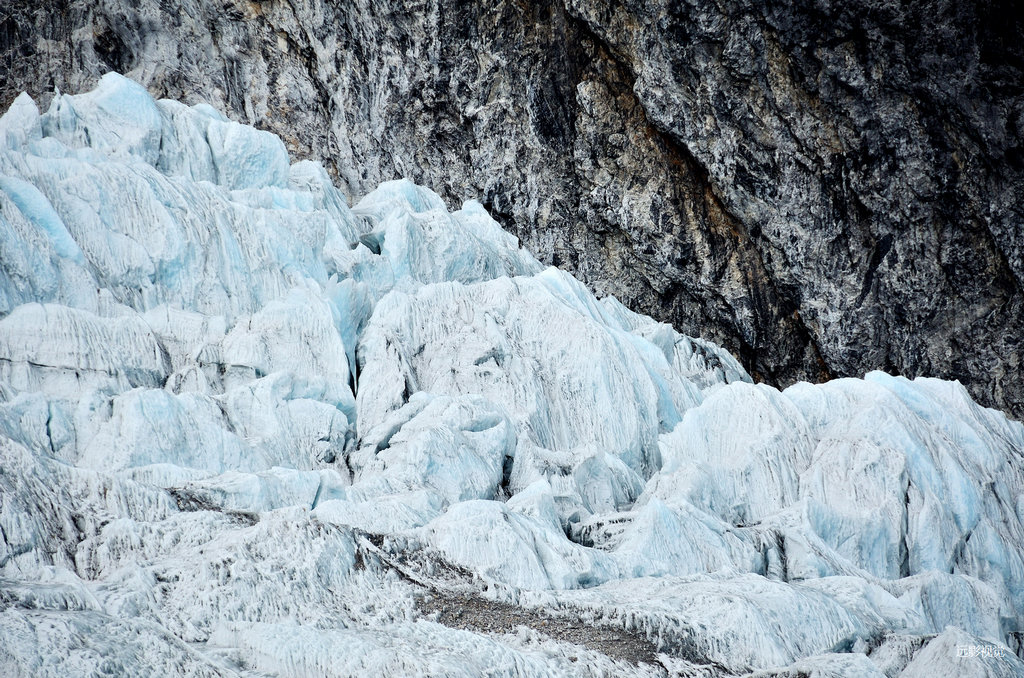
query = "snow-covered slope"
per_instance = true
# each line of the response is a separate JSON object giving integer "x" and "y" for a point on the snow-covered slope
{"x": 248, "y": 430}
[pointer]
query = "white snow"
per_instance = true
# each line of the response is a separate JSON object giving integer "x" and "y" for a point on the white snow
{"x": 244, "y": 428}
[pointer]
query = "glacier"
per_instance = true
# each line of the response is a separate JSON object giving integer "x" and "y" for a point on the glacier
{"x": 249, "y": 430}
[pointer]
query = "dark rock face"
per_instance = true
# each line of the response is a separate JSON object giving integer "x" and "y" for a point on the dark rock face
{"x": 872, "y": 151}
{"x": 825, "y": 188}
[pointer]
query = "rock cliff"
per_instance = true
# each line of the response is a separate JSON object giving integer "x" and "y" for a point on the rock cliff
{"x": 825, "y": 188}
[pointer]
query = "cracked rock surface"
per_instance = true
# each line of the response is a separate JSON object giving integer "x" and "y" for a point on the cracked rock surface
{"x": 824, "y": 188}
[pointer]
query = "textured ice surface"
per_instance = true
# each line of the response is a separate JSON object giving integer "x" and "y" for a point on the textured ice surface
{"x": 248, "y": 430}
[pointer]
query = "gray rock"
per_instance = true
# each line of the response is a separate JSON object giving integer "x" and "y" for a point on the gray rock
{"x": 825, "y": 188}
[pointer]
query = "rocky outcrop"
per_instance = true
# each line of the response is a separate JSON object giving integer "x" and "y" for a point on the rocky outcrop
{"x": 825, "y": 189}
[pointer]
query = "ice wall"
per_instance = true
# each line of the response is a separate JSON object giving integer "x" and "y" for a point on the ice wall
{"x": 246, "y": 429}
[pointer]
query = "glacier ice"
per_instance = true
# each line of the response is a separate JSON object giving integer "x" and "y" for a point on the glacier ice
{"x": 246, "y": 429}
